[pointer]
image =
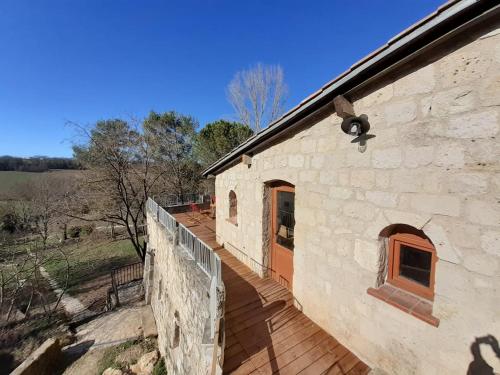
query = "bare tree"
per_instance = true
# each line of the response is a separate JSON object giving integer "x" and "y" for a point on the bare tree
{"x": 37, "y": 209}
{"x": 120, "y": 173}
{"x": 258, "y": 95}
{"x": 21, "y": 284}
{"x": 40, "y": 205}
{"x": 125, "y": 163}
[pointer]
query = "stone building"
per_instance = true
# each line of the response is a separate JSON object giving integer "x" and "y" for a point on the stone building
{"x": 390, "y": 243}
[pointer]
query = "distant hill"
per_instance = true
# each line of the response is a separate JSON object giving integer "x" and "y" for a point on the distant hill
{"x": 36, "y": 163}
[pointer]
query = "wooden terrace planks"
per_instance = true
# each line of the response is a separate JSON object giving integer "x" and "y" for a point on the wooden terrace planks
{"x": 265, "y": 333}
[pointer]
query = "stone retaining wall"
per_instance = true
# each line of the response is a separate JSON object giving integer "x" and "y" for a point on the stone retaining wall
{"x": 43, "y": 361}
{"x": 179, "y": 293}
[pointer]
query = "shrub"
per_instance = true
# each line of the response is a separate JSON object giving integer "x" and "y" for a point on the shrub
{"x": 9, "y": 222}
{"x": 88, "y": 229}
{"x": 74, "y": 232}
{"x": 108, "y": 359}
{"x": 160, "y": 368}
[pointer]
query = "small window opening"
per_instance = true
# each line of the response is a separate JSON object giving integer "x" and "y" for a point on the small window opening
{"x": 233, "y": 207}
{"x": 177, "y": 336}
{"x": 160, "y": 287}
{"x": 412, "y": 260}
{"x": 177, "y": 331}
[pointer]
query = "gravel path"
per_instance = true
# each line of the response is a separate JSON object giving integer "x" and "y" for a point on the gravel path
{"x": 72, "y": 305}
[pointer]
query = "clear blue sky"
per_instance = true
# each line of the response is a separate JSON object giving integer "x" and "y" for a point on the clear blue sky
{"x": 86, "y": 60}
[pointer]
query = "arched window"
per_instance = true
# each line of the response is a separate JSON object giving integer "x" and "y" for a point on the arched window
{"x": 412, "y": 263}
{"x": 233, "y": 207}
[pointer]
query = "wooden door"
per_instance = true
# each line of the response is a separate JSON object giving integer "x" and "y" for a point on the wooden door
{"x": 282, "y": 234}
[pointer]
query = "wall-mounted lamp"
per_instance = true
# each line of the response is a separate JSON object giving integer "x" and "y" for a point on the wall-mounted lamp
{"x": 357, "y": 126}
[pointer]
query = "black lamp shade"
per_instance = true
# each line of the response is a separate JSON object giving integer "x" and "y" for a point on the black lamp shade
{"x": 361, "y": 121}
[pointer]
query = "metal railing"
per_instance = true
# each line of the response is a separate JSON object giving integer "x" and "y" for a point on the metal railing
{"x": 173, "y": 200}
{"x": 161, "y": 215}
{"x": 124, "y": 275}
{"x": 167, "y": 220}
{"x": 151, "y": 206}
{"x": 203, "y": 254}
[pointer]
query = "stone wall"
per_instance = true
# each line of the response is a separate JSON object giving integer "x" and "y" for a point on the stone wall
{"x": 45, "y": 360}
{"x": 179, "y": 293}
{"x": 434, "y": 165}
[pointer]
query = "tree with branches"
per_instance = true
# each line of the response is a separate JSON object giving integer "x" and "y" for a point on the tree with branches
{"x": 258, "y": 95}
{"x": 125, "y": 164}
{"x": 170, "y": 136}
{"x": 42, "y": 203}
{"x": 22, "y": 284}
{"x": 216, "y": 139}
{"x": 120, "y": 173}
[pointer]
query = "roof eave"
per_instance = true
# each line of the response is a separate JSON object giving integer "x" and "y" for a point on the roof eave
{"x": 335, "y": 87}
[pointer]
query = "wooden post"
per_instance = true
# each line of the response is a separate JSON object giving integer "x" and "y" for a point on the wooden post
{"x": 246, "y": 159}
{"x": 343, "y": 107}
{"x": 115, "y": 288}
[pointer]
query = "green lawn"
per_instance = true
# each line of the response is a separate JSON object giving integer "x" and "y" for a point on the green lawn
{"x": 90, "y": 259}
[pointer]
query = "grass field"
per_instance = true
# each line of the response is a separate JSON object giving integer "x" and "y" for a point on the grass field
{"x": 9, "y": 180}
{"x": 90, "y": 259}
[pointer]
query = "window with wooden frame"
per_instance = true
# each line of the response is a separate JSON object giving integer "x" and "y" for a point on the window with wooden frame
{"x": 412, "y": 264}
{"x": 233, "y": 208}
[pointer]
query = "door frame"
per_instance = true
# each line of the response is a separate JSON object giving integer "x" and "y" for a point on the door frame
{"x": 275, "y": 188}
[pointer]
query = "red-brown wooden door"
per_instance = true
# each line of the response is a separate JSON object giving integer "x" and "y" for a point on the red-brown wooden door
{"x": 282, "y": 234}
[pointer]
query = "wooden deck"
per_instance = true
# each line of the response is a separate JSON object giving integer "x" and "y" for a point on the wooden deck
{"x": 265, "y": 333}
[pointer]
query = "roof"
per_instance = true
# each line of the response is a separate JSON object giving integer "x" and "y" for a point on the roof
{"x": 442, "y": 21}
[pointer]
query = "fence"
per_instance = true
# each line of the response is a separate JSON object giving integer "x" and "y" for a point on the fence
{"x": 152, "y": 206}
{"x": 203, "y": 254}
{"x": 124, "y": 275}
{"x": 167, "y": 220}
{"x": 180, "y": 200}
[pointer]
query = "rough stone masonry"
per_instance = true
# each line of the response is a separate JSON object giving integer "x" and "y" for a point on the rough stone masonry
{"x": 179, "y": 294}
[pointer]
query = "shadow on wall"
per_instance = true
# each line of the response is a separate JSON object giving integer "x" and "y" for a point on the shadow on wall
{"x": 251, "y": 319}
{"x": 479, "y": 366}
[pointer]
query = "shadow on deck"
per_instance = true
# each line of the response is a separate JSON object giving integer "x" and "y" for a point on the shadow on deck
{"x": 265, "y": 333}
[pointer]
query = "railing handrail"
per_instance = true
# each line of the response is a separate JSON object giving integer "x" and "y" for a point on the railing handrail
{"x": 173, "y": 200}
{"x": 130, "y": 276}
{"x": 125, "y": 266}
{"x": 172, "y": 225}
{"x": 125, "y": 274}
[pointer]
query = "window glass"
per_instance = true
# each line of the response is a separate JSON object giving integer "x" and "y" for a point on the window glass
{"x": 415, "y": 264}
{"x": 285, "y": 219}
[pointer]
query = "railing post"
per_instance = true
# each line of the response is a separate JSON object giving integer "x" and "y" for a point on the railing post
{"x": 115, "y": 288}
{"x": 176, "y": 236}
{"x": 213, "y": 266}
